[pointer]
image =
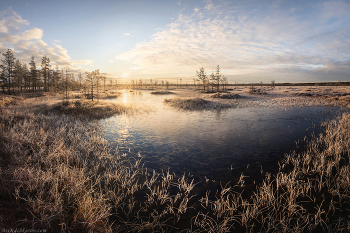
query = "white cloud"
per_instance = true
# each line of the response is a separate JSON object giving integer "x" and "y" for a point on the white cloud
{"x": 242, "y": 41}
{"x": 126, "y": 34}
{"x": 32, "y": 34}
{"x": 29, "y": 43}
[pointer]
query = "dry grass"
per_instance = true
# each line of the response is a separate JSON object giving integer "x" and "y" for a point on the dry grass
{"x": 59, "y": 171}
{"x": 95, "y": 109}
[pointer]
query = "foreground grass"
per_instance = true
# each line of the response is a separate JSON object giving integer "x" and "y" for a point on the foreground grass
{"x": 58, "y": 173}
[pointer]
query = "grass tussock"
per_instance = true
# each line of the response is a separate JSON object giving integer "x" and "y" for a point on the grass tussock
{"x": 225, "y": 96}
{"x": 195, "y": 104}
{"x": 94, "y": 109}
{"x": 59, "y": 173}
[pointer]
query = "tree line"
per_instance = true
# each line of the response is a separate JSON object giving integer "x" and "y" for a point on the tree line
{"x": 17, "y": 76}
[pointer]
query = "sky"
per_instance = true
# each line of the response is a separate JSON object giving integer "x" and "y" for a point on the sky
{"x": 252, "y": 41}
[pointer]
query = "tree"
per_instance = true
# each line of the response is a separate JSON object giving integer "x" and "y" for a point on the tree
{"x": 104, "y": 82}
{"x": 212, "y": 78}
{"x": 67, "y": 76}
{"x": 45, "y": 69}
{"x": 25, "y": 75}
{"x": 33, "y": 73}
{"x": 224, "y": 82}
{"x": 19, "y": 74}
{"x": 202, "y": 76}
{"x": 273, "y": 84}
{"x": 56, "y": 78}
{"x": 80, "y": 79}
{"x": 167, "y": 84}
{"x": 217, "y": 77}
{"x": 93, "y": 78}
{"x": 8, "y": 67}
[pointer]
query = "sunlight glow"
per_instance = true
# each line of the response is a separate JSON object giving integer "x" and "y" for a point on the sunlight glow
{"x": 125, "y": 100}
{"x": 125, "y": 75}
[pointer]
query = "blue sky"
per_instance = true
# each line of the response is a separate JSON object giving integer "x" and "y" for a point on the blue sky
{"x": 252, "y": 41}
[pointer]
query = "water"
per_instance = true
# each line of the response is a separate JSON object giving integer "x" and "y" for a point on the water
{"x": 213, "y": 144}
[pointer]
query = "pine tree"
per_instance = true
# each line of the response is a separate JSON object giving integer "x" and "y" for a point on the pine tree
{"x": 33, "y": 73}
{"x": 45, "y": 69}
{"x": 8, "y": 67}
{"x": 18, "y": 73}
{"x": 25, "y": 75}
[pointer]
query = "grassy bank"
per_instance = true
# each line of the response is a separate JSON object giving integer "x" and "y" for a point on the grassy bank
{"x": 58, "y": 173}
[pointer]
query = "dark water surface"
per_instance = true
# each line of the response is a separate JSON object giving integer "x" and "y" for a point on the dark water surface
{"x": 212, "y": 144}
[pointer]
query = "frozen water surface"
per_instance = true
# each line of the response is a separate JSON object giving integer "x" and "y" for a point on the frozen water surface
{"x": 215, "y": 144}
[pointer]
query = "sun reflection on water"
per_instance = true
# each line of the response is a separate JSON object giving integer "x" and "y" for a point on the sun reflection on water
{"x": 125, "y": 99}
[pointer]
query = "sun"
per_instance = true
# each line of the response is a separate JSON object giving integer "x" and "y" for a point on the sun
{"x": 125, "y": 75}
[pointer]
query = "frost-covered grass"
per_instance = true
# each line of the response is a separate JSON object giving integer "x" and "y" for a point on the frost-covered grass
{"x": 225, "y": 96}
{"x": 94, "y": 109}
{"x": 58, "y": 173}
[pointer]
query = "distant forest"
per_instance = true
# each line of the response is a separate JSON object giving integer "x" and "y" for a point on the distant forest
{"x": 17, "y": 76}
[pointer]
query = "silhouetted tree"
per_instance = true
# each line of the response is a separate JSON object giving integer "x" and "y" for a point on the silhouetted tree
{"x": 8, "y": 67}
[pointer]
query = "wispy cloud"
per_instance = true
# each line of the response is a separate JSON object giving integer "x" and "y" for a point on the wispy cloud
{"x": 127, "y": 34}
{"x": 261, "y": 40}
{"x": 29, "y": 43}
